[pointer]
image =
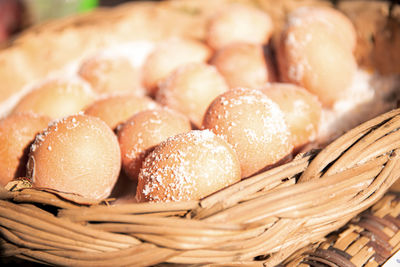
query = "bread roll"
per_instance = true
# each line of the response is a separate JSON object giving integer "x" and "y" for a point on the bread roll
{"x": 186, "y": 167}
{"x": 56, "y": 98}
{"x": 108, "y": 75}
{"x": 190, "y": 89}
{"x": 238, "y": 23}
{"x": 169, "y": 55}
{"x": 116, "y": 109}
{"x": 253, "y": 125}
{"x": 17, "y": 132}
{"x": 78, "y": 154}
{"x": 312, "y": 56}
{"x": 143, "y": 131}
{"x": 242, "y": 65}
{"x": 302, "y": 110}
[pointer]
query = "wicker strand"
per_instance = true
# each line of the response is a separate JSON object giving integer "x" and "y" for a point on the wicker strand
{"x": 369, "y": 147}
{"x": 64, "y": 228}
{"x": 335, "y": 149}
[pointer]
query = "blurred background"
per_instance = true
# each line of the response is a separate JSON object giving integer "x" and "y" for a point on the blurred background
{"x": 15, "y": 15}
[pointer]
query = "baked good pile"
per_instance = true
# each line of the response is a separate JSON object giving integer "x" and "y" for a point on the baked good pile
{"x": 183, "y": 118}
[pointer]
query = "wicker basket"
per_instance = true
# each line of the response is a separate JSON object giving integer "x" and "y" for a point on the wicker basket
{"x": 266, "y": 217}
{"x": 259, "y": 221}
{"x": 368, "y": 240}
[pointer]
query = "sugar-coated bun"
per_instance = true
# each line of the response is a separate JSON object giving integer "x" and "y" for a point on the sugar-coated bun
{"x": 56, "y": 98}
{"x": 310, "y": 56}
{"x": 239, "y": 23}
{"x": 190, "y": 89}
{"x": 169, "y": 55}
{"x": 143, "y": 131}
{"x": 186, "y": 167}
{"x": 302, "y": 110}
{"x": 17, "y": 132}
{"x": 242, "y": 65}
{"x": 78, "y": 154}
{"x": 116, "y": 109}
{"x": 335, "y": 22}
{"x": 253, "y": 124}
{"x": 107, "y": 74}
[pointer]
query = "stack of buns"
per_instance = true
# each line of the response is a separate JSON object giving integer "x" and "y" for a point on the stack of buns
{"x": 189, "y": 118}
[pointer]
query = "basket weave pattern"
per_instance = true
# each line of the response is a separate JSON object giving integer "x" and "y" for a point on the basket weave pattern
{"x": 259, "y": 221}
{"x": 368, "y": 240}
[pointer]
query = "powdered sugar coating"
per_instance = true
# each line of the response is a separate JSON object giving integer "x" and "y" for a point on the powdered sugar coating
{"x": 254, "y": 126}
{"x": 187, "y": 166}
{"x": 143, "y": 131}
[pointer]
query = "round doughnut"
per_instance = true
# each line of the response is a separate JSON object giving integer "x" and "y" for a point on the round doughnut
{"x": 190, "y": 89}
{"x": 116, "y": 109}
{"x": 17, "y": 132}
{"x": 302, "y": 110}
{"x": 143, "y": 131}
{"x": 108, "y": 74}
{"x": 78, "y": 154}
{"x": 254, "y": 126}
{"x": 56, "y": 98}
{"x": 242, "y": 65}
{"x": 187, "y": 166}
{"x": 169, "y": 55}
{"x": 238, "y": 23}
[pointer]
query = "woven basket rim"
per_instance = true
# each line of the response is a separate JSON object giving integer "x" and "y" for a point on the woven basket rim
{"x": 259, "y": 221}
